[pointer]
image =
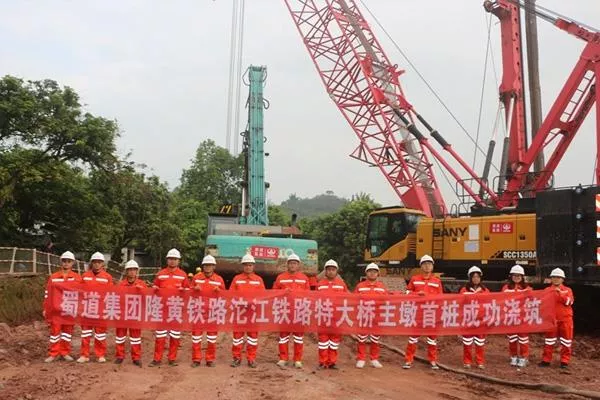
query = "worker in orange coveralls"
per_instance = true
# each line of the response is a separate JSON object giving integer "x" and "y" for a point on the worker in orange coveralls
{"x": 518, "y": 344}
{"x": 329, "y": 343}
{"x": 247, "y": 281}
{"x": 423, "y": 284}
{"x": 60, "y": 335}
{"x": 472, "y": 288}
{"x": 292, "y": 280}
{"x": 207, "y": 280}
{"x": 135, "y": 335}
{"x": 96, "y": 276}
{"x": 564, "y": 320}
{"x": 370, "y": 286}
{"x": 169, "y": 277}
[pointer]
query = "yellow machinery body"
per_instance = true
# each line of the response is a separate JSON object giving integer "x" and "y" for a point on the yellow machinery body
{"x": 397, "y": 237}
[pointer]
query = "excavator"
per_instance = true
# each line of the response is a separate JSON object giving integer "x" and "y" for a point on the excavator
{"x": 519, "y": 216}
{"x": 236, "y": 231}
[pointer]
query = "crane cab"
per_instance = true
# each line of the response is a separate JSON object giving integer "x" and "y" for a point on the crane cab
{"x": 392, "y": 236}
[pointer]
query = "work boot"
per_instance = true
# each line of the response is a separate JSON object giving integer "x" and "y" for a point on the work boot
{"x": 210, "y": 364}
{"x": 173, "y": 363}
{"x": 376, "y": 364}
{"x": 480, "y": 366}
{"x": 467, "y": 366}
{"x": 83, "y": 359}
{"x": 49, "y": 359}
{"x": 154, "y": 363}
{"x": 138, "y": 363}
{"x": 513, "y": 361}
{"x": 543, "y": 364}
{"x": 434, "y": 365}
{"x": 236, "y": 362}
{"x": 360, "y": 364}
{"x": 252, "y": 364}
{"x": 68, "y": 358}
{"x": 407, "y": 365}
{"x": 333, "y": 366}
{"x": 298, "y": 364}
{"x": 522, "y": 362}
{"x": 195, "y": 364}
{"x": 321, "y": 367}
{"x": 564, "y": 365}
{"x": 101, "y": 360}
{"x": 282, "y": 363}
{"x": 118, "y": 361}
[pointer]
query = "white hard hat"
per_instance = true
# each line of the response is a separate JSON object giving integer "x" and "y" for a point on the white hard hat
{"x": 426, "y": 258}
{"x": 372, "y": 266}
{"x": 97, "y": 256}
{"x": 132, "y": 264}
{"x": 557, "y": 272}
{"x": 517, "y": 269}
{"x": 173, "y": 253}
{"x": 248, "y": 259}
{"x": 67, "y": 255}
{"x": 474, "y": 269}
{"x": 293, "y": 257}
{"x": 331, "y": 263}
{"x": 209, "y": 260}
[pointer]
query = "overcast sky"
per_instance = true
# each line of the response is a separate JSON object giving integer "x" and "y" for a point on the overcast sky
{"x": 161, "y": 69}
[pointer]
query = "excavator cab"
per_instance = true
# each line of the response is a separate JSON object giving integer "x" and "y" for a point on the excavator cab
{"x": 391, "y": 235}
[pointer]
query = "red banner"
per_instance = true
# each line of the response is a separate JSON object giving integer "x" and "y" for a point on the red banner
{"x": 277, "y": 310}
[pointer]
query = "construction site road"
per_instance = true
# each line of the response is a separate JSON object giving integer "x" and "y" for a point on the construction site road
{"x": 24, "y": 375}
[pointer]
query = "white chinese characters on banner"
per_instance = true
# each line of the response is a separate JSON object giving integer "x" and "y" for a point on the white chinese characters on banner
{"x": 217, "y": 310}
{"x": 281, "y": 311}
{"x": 302, "y": 311}
{"x": 450, "y": 314}
{"x": 69, "y": 306}
{"x": 154, "y": 309}
{"x": 238, "y": 308}
{"x": 532, "y": 311}
{"x": 429, "y": 314}
{"x": 366, "y": 313}
{"x": 195, "y": 309}
{"x": 408, "y": 314}
{"x": 133, "y": 307}
{"x": 259, "y": 311}
{"x": 512, "y": 312}
{"x": 91, "y": 305}
{"x": 492, "y": 314}
{"x": 470, "y": 314}
{"x": 387, "y": 314}
{"x": 112, "y": 306}
{"x": 344, "y": 313}
{"x": 324, "y": 312}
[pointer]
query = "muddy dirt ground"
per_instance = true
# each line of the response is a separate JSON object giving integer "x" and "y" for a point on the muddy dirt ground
{"x": 23, "y": 375}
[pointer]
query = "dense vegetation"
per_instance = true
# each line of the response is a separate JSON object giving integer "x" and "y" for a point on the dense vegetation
{"x": 63, "y": 185}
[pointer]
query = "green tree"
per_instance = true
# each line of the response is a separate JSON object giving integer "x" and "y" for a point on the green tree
{"x": 191, "y": 216}
{"x": 320, "y": 204}
{"x": 141, "y": 205}
{"x": 47, "y": 146}
{"x": 44, "y": 124}
{"x": 214, "y": 177}
{"x": 341, "y": 236}
{"x": 278, "y": 216}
